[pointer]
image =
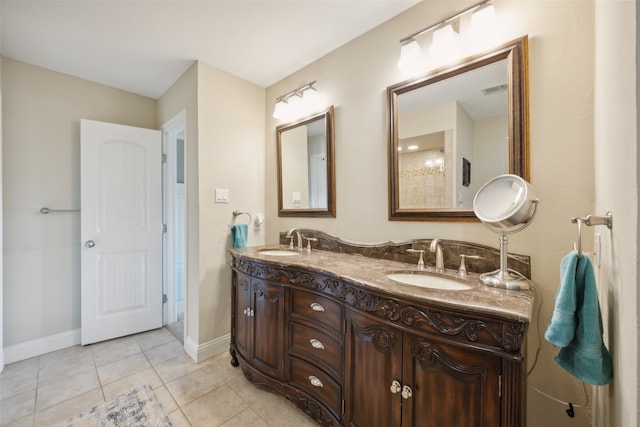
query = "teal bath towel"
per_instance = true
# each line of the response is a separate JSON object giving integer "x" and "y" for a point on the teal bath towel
{"x": 239, "y": 235}
{"x": 576, "y": 323}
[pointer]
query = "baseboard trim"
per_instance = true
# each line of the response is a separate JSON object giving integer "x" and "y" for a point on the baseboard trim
{"x": 208, "y": 349}
{"x": 37, "y": 347}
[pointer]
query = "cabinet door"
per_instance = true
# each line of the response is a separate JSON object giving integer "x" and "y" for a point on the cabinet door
{"x": 373, "y": 362}
{"x": 450, "y": 386}
{"x": 268, "y": 328}
{"x": 242, "y": 319}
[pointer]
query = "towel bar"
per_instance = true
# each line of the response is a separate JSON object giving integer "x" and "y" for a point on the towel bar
{"x": 590, "y": 220}
{"x": 46, "y": 210}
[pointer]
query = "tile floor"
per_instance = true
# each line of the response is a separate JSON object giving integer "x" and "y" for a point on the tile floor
{"x": 55, "y": 386}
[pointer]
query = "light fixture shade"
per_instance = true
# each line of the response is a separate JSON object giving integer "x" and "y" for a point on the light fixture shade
{"x": 294, "y": 102}
{"x": 311, "y": 100}
{"x": 280, "y": 110}
{"x": 504, "y": 202}
{"x": 446, "y": 34}
{"x": 483, "y": 15}
{"x": 410, "y": 55}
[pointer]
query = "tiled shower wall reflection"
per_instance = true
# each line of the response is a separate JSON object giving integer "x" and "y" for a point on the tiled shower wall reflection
{"x": 422, "y": 180}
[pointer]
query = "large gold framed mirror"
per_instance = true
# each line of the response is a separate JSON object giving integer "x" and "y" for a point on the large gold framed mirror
{"x": 306, "y": 167}
{"x": 453, "y": 129}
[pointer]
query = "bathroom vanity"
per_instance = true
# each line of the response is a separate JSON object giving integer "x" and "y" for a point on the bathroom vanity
{"x": 350, "y": 346}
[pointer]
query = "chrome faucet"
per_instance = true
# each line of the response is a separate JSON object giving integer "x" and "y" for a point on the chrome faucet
{"x": 437, "y": 248}
{"x": 290, "y": 236}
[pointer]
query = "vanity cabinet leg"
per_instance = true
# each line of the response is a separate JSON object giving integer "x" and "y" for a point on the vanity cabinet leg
{"x": 234, "y": 359}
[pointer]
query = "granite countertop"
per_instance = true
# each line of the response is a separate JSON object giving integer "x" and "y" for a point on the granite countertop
{"x": 371, "y": 273}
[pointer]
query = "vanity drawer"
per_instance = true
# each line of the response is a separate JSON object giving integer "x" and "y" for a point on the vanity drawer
{"x": 317, "y": 308}
{"x": 316, "y": 382}
{"x": 317, "y": 345}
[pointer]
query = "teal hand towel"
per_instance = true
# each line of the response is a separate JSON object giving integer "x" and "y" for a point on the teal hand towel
{"x": 239, "y": 235}
{"x": 576, "y": 323}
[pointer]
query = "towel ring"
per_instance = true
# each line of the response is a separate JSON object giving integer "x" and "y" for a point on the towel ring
{"x": 236, "y": 213}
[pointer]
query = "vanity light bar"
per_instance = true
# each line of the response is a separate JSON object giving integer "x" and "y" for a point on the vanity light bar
{"x": 444, "y": 22}
{"x": 296, "y": 92}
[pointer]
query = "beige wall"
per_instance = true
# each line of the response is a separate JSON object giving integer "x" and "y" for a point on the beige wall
{"x": 183, "y": 96}
{"x": 41, "y": 167}
{"x": 561, "y": 58}
{"x": 224, "y": 149}
{"x": 616, "y": 183}
{"x": 1, "y": 236}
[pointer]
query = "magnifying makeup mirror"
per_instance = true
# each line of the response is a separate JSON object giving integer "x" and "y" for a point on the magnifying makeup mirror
{"x": 505, "y": 204}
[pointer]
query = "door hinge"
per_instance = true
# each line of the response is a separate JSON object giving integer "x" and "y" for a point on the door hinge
{"x": 164, "y": 298}
{"x": 343, "y": 405}
{"x": 164, "y": 158}
{"x": 500, "y": 385}
{"x": 164, "y": 228}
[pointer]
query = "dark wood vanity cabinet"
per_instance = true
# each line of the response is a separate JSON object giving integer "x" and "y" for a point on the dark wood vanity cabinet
{"x": 413, "y": 380}
{"x": 258, "y": 323}
{"x": 350, "y": 356}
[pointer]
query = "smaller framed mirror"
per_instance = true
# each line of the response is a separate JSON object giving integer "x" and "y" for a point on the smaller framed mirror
{"x": 306, "y": 167}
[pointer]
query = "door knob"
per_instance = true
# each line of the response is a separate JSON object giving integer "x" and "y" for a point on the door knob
{"x": 406, "y": 392}
{"x": 395, "y": 387}
{"x": 90, "y": 244}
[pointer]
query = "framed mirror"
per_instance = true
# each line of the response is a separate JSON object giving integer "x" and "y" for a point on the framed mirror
{"x": 453, "y": 129}
{"x": 306, "y": 167}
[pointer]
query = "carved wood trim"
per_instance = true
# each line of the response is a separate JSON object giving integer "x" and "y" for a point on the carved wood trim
{"x": 384, "y": 340}
{"x": 429, "y": 353}
{"x": 503, "y": 336}
{"x": 312, "y": 409}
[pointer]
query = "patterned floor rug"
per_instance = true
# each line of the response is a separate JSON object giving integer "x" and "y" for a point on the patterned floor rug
{"x": 137, "y": 408}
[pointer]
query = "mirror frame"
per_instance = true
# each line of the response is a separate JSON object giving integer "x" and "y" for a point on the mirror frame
{"x": 516, "y": 54}
{"x": 330, "y": 210}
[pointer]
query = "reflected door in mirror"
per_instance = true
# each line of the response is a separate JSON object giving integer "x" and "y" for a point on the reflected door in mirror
{"x": 304, "y": 175}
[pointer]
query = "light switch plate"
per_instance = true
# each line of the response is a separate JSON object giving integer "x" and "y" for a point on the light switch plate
{"x": 222, "y": 195}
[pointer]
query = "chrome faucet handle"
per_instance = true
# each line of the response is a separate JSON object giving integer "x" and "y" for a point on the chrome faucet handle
{"x": 309, "y": 240}
{"x": 462, "y": 270}
{"x": 421, "y": 259}
{"x": 290, "y": 241}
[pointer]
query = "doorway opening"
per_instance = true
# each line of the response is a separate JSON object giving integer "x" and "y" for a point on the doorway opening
{"x": 174, "y": 209}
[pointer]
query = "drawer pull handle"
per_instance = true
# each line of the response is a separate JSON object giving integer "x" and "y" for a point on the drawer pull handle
{"x": 395, "y": 387}
{"x": 316, "y": 344}
{"x": 316, "y": 307}
{"x": 406, "y": 392}
{"x": 315, "y": 381}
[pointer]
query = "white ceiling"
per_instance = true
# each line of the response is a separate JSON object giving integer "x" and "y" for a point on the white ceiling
{"x": 143, "y": 46}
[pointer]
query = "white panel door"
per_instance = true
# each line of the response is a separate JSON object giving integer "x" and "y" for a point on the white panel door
{"x": 121, "y": 230}
{"x": 318, "y": 181}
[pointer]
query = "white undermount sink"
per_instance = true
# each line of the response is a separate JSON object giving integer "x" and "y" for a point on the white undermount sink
{"x": 278, "y": 252}
{"x": 428, "y": 281}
